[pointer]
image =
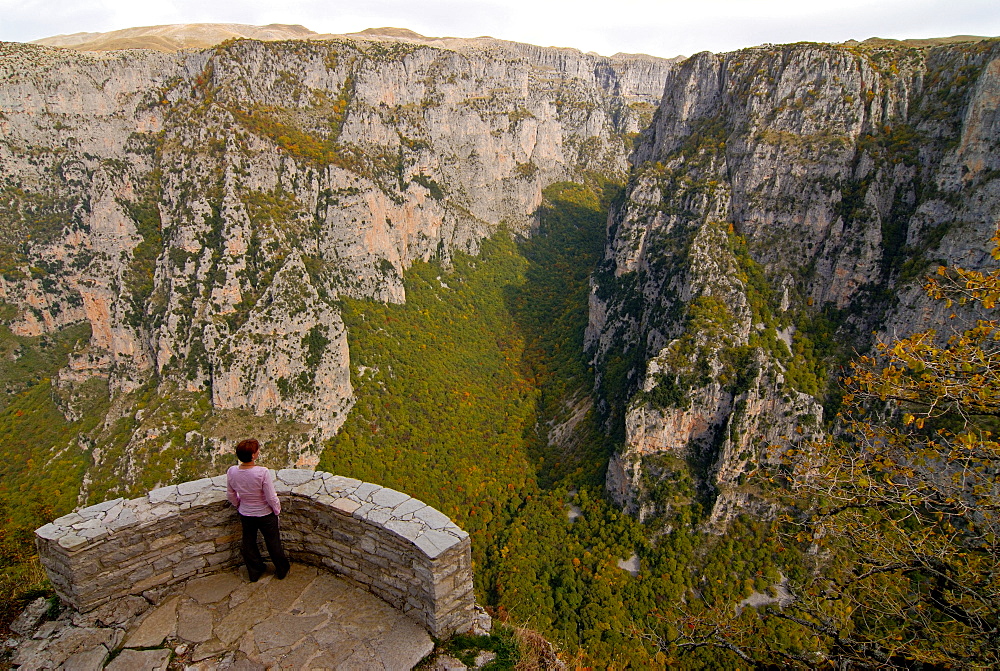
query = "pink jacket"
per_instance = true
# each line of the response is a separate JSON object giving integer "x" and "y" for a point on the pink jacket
{"x": 251, "y": 491}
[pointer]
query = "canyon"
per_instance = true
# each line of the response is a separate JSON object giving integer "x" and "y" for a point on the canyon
{"x": 196, "y": 240}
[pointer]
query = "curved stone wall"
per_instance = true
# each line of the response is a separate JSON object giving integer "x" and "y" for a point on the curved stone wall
{"x": 402, "y": 550}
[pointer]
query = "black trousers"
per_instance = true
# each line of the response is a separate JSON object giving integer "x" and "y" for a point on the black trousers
{"x": 268, "y": 527}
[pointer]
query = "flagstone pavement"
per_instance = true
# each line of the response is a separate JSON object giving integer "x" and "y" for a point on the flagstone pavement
{"x": 312, "y": 619}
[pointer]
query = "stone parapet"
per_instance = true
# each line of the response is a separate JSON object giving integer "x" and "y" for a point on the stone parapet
{"x": 402, "y": 550}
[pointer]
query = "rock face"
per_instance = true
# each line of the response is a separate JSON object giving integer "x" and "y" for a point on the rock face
{"x": 203, "y": 211}
{"x": 783, "y": 198}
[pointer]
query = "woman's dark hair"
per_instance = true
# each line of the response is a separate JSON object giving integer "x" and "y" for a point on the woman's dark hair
{"x": 245, "y": 449}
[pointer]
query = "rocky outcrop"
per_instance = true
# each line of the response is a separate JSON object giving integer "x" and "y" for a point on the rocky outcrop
{"x": 781, "y": 201}
{"x": 205, "y": 210}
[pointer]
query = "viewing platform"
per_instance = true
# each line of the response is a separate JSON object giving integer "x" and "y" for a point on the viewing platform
{"x": 375, "y": 574}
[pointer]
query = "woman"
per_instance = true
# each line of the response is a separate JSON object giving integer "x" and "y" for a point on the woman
{"x": 250, "y": 489}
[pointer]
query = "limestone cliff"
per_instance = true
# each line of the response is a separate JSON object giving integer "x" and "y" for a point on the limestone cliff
{"x": 204, "y": 210}
{"x": 784, "y": 199}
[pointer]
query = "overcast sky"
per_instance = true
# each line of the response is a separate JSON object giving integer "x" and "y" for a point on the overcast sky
{"x": 659, "y": 27}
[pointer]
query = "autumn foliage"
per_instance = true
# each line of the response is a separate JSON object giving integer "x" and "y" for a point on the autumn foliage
{"x": 903, "y": 512}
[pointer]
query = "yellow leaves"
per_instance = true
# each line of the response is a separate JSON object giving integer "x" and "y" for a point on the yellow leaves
{"x": 894, "y": 510}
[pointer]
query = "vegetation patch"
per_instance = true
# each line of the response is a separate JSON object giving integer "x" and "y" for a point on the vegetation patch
{"x": 29, "y": 218}
{"x": 42, "y": 460}
{"x": 145, "y": 212}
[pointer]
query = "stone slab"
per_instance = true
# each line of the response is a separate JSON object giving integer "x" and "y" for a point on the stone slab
{"x": 194, "y": 486}
{"x": 295, "y": 476}
{"x": 283, "y": 593}
{"x": 30, "y": 617}
{"x": 302, "y": 654}
{"x": 408, "y": 507}
{"x": 72, "y": 541}
{"x": 51, "y": 532}
{"x": 87, "y": 660}
{"x": 365, "y": 490}
{"x": 433, "y": 518}
{"x": 162, "y": 495}
{"x": 340, "y": 482}
{"x": 212, "y": 588}
{"x": 346, "y": 506}
{"x": 120, "y": 611}
{"x": 427, "y": 546}
{"x": 379, "y": 516}
{"x": 194, "y": 623}
{"x": 388, "y": 498}
{"x": 447, "y": 663}
{"x": 407, "y": 529}
{"x": 243, "y": 617}
{"x": 140, "y": 660}
{"x": 208, "y": 649}
{"x": 308, "y": 488}
{"x": 103, "y": 506}
{"x": 50, "y": 653}
{"x": 155, "y": 627}
{"x": 404, "y": 645}
{"x": 284, "y": 630}
{"x": 67, "y": 520}
{"x": 441, "y": 539}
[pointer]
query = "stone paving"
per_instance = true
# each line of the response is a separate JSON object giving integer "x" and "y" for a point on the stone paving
{"x": 312, "y": 619}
